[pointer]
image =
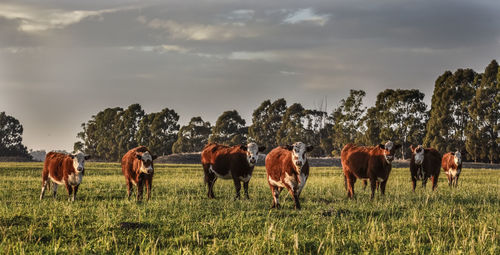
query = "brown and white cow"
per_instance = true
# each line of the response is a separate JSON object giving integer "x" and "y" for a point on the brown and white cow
{"x": 67, "y": 169}
{"x": 362, "y": 162}
{"x": 236, "y": 163}
{"x": 287, "y": 167}
{"x": 425, "y": 163}
{"x": 138, "y": 169}
{"x": 452, "y": 167}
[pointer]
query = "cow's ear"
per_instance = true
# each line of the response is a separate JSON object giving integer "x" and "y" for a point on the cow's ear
{"x": 86, "y": 157}
{"x": 289, "y": 147}
{"x": 243, "y": 147}
{"x": 309, "y": 148}
{"x": 412, "y": 148}
{"x": 262, "y": 148}
{"x": 154, "y": 157}
{"x": 139, "y": 157}
{"x": 381, "y": 146}
{"x": 452, "y": 153}
{"x": 397, "y": 146}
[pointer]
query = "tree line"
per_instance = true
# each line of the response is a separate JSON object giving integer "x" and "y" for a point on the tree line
{"x": 464, "y": 115}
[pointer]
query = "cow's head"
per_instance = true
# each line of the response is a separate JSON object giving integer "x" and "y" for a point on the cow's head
{"x": 457, "y": 157}
{"x": 146, "y": 162}
{"x": 299, "y": 150}
{"x": 79, "y": 161}
{"x": 419, "y": 154}
{"x": 252, "y": 150}
{"x": 389, "y": 150}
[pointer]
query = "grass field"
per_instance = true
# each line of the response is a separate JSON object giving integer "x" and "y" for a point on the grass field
{"x": 180, "y": 219}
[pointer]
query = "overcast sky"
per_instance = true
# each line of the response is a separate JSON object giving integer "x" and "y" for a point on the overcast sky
{"x": 63, "y": 61}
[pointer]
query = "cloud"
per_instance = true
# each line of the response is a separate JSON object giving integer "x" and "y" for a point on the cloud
{"x": 307, "y": 16}
{"x": 245, "y": 55}
{"x": 243, "y": 15}
{"x": 165, "y": 48}
{"x": 32, "y": 19}
{"x": 199, "y": 32}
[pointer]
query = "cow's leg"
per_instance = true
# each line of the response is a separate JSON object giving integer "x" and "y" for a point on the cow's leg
{"x": 210, "y": 179}
{"x": 75, "y": 190}
{"x": 45, "y": 182}
{"x": 275, "y": 191}
{"x": 149, "y": 182}
{"x": 140, "y": 188}
{"x": 55, "y": 190}
{"x": 245, "y": 186}
{"x": 350, "y": 180}
{"x": 450, "y": 181}
{"x": 237, "y": 186}
{"x": 456, "y": 180}
{"x": 365, "y": 183}
{"x": 295, "y": 195}
{"x": 413, "y": 182}
{"x": 424, "y": 182}
{"x": 382, "y": 187}
{"x": 373, "y": 186}
{"x": 69, "y": 188}
{"x": 129, "y": 188}
{"x": 434, "y": 179}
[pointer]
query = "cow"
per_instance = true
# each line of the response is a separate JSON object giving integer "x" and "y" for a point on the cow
{"x": 138, "y": 169}
{"x": 236, "y": 163}
{"x": 367, "y": 162}
{"x": 287, "y": 167}
{"x": 452, "y": 167}
{"x": 67, "y": 169}
{"x": 425, "y": 163}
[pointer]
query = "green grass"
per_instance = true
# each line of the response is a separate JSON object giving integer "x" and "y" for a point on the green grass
{"x": 180, "y": 219}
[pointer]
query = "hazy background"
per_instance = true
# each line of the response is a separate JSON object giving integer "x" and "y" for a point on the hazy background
{"x": 63, "y": 61}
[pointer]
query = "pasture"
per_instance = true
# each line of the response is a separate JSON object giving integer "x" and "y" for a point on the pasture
{"x": 181, "y": 220}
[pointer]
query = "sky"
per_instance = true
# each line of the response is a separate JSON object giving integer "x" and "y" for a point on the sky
{"x": 63, "y": 61}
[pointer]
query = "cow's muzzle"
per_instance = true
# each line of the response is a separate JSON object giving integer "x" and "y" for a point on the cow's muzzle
{"x": 79, "y": 169}
{"x": 298, "y": 163}
{"x": 252, "y": 161}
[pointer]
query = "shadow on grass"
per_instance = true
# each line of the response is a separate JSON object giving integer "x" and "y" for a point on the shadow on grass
{"x": 17, "y": 220}
{"x": 135, "y": 225}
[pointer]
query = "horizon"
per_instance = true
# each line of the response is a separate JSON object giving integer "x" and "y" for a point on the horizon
{"x": 62, "y": 62}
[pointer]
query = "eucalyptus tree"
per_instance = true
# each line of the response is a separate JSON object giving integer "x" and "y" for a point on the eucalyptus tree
{"x": 229, "y": 129}
{"x": 266, "y": 121}
{"x": 192, "y": 137}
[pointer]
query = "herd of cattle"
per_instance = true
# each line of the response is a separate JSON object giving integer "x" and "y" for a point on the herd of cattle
{"x": 286, "y": 167}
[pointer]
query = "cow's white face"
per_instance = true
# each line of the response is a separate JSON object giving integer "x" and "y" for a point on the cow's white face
{"x": 389, "y": 151}
{"x": 457, "y": 158}
{"x": 146, "y": 163}
{"x": 79, "y": 161}
{"x": 419, "y": 155}
{"x": 299, "y": 150}
{"x": 253, "y": 150}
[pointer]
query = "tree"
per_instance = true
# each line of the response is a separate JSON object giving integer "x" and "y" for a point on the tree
{"x": 482, "y": 132}
{"x": 193, "y": 136}
{"x": 11, "y": 137}
{"x": 292, "y": 127}
{"x": 371, "y": 125}
{"x": 402, "y": 117}
{"x": 449, "y": 113}
{"x": 229, "y": 129}
{"x": 158, "y": 131}
{"x": 347, "y": 119}
{"x": 266, "y": 121}
{"x": 99, "y": 135}
{"x": 127, "y": 127}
